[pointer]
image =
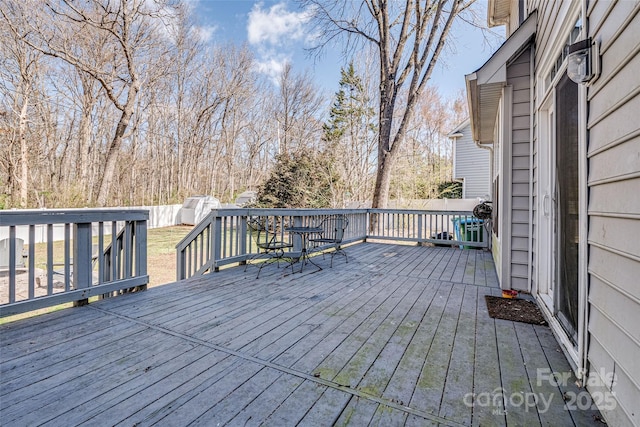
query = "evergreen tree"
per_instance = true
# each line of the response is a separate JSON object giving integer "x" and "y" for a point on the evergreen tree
{"x": 298, "y": 180}
{"x": 350, "y": 137}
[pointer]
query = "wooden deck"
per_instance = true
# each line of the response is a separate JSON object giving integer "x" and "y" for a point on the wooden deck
{"x": 398, "y": 336}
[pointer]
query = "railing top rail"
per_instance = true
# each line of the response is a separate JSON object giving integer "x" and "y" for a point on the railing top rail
{"x": 63, "y": 216}
{"x": 282, "y": 211}
{"x": 199, "y": 228}
{"x": 317, "y": 212}
{"x": 421, "y": 211}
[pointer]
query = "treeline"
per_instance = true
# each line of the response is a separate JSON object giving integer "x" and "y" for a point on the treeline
{"x": 119, "y": 103}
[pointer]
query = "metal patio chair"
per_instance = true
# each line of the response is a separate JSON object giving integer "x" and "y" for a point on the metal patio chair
{"x": 334, "y": 227}
{"x": 266, "y": 240}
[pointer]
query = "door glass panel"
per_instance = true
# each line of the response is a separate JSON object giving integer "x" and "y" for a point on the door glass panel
{"x": 567, "y": 206}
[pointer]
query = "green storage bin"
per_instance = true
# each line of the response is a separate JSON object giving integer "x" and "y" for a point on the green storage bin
{"x": 469, "y": 230}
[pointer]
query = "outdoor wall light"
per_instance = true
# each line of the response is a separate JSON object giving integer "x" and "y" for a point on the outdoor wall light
{"x": 583, "y": 61}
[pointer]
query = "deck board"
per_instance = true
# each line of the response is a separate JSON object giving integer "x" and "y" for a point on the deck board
{"x": 399, "y": 335}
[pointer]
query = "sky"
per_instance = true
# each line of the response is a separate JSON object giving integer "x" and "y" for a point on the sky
{"x": 279, "y": 31}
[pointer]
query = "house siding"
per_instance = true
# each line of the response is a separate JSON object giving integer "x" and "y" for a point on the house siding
{"x": 609, "y": 162}
{"x": 519, "y": 78}
{"x": 472, "y": 164}
{"x": 614, "y": 207}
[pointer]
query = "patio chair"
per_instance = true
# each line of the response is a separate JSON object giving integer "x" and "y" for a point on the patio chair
{"x": 266, "y": 240}
{"x": 334, "y": 227}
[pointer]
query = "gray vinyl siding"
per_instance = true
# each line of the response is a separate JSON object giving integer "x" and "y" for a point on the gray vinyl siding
{"x": 614, "y": 206}
{"x": 471, "y": 164}
{"x": 519, "y": 78}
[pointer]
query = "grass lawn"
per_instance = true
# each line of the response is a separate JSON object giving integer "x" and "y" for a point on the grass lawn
{"x": 161, "y": 253}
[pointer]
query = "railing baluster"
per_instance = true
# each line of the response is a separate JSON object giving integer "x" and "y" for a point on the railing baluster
{"x": 128, "y": 249}
{"x": 201, "y": 251}
{"x": 49, "y": 259}
{"x": 101, "y": 252}
{"x": 67, "y": 257}
{"x": 114, "y": 251}
{"x": 12, "y": 264}
{"x": 216, "y": 244}
{"x": 32, "y": 259}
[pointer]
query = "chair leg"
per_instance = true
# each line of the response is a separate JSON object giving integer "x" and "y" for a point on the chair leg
{"x": 341, "y": 252}
{"x": 249, "y": 261}
{"x": 276, "y": 257}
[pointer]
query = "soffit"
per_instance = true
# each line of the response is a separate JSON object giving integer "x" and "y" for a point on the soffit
{"x": 498, "y": 12}
{"x": 484, "y": 86}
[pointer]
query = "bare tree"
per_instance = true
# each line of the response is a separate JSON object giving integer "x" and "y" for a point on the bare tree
{"x": 106, "y": 40}
{"x": 425, "y": 160}
{"x": 20, "y": 77}
{"x": 409, "y": 37}
{"x": 298, "y": 103}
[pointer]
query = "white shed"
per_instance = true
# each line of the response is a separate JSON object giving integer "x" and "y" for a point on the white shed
{"x": 195, "y": 208}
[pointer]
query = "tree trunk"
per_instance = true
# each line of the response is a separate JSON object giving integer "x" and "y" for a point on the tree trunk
{"x": 83, "y": 165}
{"x": 24, "y": 155}
{"x": 385, "y": 149}
{"x": 114, "y": 147}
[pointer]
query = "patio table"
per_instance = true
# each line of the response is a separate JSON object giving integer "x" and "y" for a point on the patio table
{"x": 304, "y": 233}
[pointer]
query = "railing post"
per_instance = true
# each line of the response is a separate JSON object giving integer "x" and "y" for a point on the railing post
{"x": 366, "y": 224}
{"x": 420, "y": 231}
{"x": 217, "y": 241}
{"x": 141, "y": 250}
{"x": 297, "y": 238}
{"x": 486, "y": 235}
{"x": 82, "y": 275}
{"x": 242, "y": 237}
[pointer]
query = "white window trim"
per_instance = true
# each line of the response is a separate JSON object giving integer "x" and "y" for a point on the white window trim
{"x": 505, "y": 185}
{"x": 574, "y": 10}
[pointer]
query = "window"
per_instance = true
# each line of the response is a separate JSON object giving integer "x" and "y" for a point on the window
{"x": 557, "y": 65}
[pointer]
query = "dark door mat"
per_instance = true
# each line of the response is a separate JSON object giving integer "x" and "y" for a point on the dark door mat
{"x": 515, "y": 309}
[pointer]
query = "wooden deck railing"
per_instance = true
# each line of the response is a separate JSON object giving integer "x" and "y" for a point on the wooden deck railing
{"x": 80, "y": 265}
{"x": 222, "y": 238}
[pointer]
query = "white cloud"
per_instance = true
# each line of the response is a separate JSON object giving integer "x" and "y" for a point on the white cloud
{"x": 205, "y": 33}
{"x": 274, "y": 33}
{"x": 272, "y": 65}
{"x": 276, "y": 26}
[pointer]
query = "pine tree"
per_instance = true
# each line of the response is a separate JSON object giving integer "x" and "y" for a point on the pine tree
{"x": 350, "y": 136}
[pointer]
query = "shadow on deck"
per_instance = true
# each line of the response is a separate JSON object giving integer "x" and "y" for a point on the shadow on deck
{"x": 398, "y": 336}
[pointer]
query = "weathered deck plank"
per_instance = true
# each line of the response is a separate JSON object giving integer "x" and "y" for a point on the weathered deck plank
{"x": 398, "y": 336}
{"x": 459, "y": 381}
{"x": 514, "y": 376}
{"x": 271, "y": 397}
{"x": 430, "y": 387}
{"x": 486, "y": 368}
